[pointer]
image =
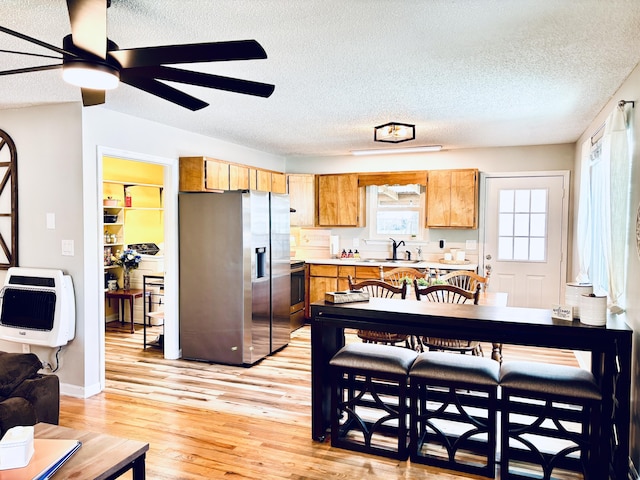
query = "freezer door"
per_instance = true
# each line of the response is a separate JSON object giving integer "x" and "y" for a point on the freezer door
{"x": 257, "y": 337}
{"x": 280, "y": 271}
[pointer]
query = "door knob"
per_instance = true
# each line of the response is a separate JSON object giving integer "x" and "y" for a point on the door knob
{"x": 488, "y": 257}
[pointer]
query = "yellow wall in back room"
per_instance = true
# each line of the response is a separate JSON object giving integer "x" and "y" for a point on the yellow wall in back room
{"x": 144, "y": 221}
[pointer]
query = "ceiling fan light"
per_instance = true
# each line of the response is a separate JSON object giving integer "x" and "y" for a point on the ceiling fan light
{"x": 94, "y": 76}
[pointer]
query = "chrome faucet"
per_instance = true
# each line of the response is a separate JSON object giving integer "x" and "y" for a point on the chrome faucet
{"x": 395, "y": 246}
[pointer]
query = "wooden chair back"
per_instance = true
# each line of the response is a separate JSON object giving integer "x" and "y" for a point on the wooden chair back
{"x": 379, "y": 288}
{"x": 466, "y": 279}
{"x": 446, "y": 293}
{"x": 395, "y": 276}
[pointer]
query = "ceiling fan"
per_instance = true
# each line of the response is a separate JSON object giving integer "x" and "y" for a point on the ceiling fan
{"x": 93, "y": 62}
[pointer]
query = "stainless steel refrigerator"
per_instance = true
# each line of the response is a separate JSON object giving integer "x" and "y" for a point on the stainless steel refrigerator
{"x": 234, "y": 275}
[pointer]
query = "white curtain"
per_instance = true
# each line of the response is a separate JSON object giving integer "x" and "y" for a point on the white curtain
{"x": 603, "y": 210}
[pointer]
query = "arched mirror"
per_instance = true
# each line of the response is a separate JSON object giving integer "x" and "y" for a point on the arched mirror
{"x": 8, "y": 202}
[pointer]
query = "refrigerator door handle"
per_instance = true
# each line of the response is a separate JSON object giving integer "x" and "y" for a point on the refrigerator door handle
{"x": 261, "y": 262}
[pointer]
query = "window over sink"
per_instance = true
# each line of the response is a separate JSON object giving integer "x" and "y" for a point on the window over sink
{"x": 396, "y": 211}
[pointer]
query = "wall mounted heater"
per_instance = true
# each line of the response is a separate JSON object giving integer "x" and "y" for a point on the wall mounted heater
{"x": 37, "y": 307}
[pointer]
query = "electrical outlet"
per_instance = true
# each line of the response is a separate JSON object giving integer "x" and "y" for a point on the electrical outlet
{"x": 471, "y": 245}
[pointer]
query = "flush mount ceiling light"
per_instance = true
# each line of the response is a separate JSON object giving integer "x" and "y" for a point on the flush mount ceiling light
{"x": 394, "y": 132}
{"x": 385, "y": 151}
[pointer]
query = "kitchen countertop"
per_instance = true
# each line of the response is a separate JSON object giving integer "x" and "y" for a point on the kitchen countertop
{"x": 371, "y": 262}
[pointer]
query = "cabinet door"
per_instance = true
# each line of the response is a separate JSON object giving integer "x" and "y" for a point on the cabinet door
{"x": 263, "y": 182}
{"x": 464, "y": 199}
{"x": 278, "y": 182}
{"x": 338, "y": 200}
{"x": 216, "y": 175}
{"x": 318, "y": 286}
{"x": 452, "y": 199}
{"x": 438, "y": 198}
{"x": 238, "y": 177}
{"x": 302, "y": 199}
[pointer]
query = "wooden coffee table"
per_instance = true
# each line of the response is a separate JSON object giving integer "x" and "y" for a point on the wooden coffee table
{"x": 101, "y": 457}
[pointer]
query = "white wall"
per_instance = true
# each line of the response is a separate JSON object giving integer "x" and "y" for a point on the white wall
{"x": 48, "y": 142}
{"x": 504, "y": 159}
{"x": 630, "y": 90}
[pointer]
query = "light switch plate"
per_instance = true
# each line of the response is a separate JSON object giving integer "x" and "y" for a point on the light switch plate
{"x": 51, "y": 221}
{"x": 471, "y": 245}
{"x": 67, "y": 248}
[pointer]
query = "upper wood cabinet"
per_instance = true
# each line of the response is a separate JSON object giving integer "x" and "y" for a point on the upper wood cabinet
{"x": 238, "y": 177}
{"x": 200, "y": 174}
{"x": 452, "y": 199}
{"x": 339, "y": 201}
{"x": 302, "y": 199}
{"x": 278, "y": 182}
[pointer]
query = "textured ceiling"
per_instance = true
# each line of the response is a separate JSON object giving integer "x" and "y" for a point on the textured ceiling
{"x": 467, "y": 73}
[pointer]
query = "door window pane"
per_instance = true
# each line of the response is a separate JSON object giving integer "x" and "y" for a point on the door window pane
{"x": 522, "y": 200}
{"x": 521, "y": 225}
{"x": 521, "y": 249}
{"x": 536, "y": 252}
{"x": 539, "y": 200}
{"x": 506, "y": 201}
{"x": 505, "y": 224}
{"x": 538, "y": 224}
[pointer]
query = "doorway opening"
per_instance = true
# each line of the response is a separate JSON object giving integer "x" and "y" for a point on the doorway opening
{"x": 146, "y": 221}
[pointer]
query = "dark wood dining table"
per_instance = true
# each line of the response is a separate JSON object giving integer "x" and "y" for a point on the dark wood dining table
{"x": 609, "y": 346}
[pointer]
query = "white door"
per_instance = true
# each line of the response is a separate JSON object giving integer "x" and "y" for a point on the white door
{"x": 525, "y": 225}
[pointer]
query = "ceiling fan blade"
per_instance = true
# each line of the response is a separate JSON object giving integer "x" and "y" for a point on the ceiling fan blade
{"x": 189, "y": 53}
{"x": 35, "y": 41}
{"x": 163, "y": 91}
{"x": 29, "y": 54}
{"x": 30, "y": 69}
{"x": 92, "y": 97}
{"x": 229, "y": 84}
{"x": 89, "y": 25}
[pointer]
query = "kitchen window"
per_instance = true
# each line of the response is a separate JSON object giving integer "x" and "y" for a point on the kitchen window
{"x": 396, "y": 211}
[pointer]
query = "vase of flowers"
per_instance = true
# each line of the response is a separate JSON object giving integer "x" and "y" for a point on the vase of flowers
{"x": 128, "y": 260}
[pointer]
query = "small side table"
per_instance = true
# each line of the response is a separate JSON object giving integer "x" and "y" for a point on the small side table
{"x": 123, "y": 295}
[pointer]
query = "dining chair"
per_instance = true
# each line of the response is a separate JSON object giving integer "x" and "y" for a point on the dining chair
{"x": 466, "y": 279}
{"x": 448, "y": 294}
{"x": 396, "y": 275}
{"x": 382, "y": 289}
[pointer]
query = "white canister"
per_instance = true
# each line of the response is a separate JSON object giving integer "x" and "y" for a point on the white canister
{"x": 460, "y": 256}
{"x": 448, "y": 257}
{"x": 593, "y": 310}
{"x": 573, "y": 293}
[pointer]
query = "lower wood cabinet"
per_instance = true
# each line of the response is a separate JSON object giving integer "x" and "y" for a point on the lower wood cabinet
{"x": 332, "y": 278}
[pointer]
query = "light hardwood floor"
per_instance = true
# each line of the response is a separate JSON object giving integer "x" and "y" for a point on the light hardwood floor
{"x": 207, "y": 421}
